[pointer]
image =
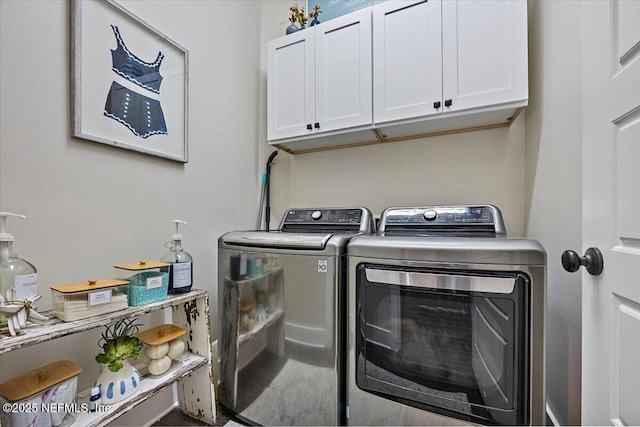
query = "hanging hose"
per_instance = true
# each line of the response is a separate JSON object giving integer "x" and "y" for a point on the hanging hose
{"x": 267, "y": 215}
{"x": 261, "y": 208}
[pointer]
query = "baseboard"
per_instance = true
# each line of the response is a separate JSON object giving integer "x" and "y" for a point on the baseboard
{"x": 163, "y": 413}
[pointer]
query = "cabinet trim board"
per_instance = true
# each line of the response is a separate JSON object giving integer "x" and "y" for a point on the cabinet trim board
{"x": 381, "y": 138}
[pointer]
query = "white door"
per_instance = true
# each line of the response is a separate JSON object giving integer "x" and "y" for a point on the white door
{"x": 611, "y": 212}
{"x": 290, "y": 85}
{"x": 343, "y": 72}
{"x": 484, "y": 47}
{"x": 407, "y": 64}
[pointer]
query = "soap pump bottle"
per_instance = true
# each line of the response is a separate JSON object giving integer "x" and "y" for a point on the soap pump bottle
{"x": 18, "y": 277}
{"x": 94, "y": 399}
{"x": 181, "y": 268}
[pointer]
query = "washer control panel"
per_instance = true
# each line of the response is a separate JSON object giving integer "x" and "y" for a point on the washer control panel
{"x": 430, "y": 215}
{"x": 327, "y": 220}
{"x": 335, "y": 216}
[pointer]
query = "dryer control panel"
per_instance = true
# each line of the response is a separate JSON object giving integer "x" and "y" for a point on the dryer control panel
{"x": 443, "y": 219}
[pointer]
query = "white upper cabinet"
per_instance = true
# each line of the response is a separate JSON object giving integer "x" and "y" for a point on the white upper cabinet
{"x": 433, "y": 57}
{"x": 407, "y": 65}
{"x": 319, "y": 79}
{"x": 484, "y": 53}
{"x": 291, "y": 91}
{"x": 398, "y": 70}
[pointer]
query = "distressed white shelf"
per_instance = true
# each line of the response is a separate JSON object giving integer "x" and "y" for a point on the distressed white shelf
{"x": 149, "y": 386}
{"x": 193, "y": 375}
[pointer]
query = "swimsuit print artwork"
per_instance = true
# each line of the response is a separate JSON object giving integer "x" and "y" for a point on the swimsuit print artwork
{"x": 135, "y": 105}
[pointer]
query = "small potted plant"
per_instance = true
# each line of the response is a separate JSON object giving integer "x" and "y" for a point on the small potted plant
{"x": 297, "y": 16}
{"x": 314, "y": 15}
{"x": 118, "y": 379}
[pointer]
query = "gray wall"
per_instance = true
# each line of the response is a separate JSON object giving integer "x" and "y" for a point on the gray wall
{"x": 554, "y": 187}
{"x": 532, "y": 171}
{"x": 89, "y": 205}
{"x": 86, "y": 210}
{"x": 476, "y": 167}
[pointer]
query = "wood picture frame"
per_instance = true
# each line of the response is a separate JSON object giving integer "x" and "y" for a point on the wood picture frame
{"x": 129, "y": 83}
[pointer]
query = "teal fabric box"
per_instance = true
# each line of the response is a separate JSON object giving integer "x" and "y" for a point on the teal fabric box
{"x": 147, "y": 287}
{"x": 148, "y": 282}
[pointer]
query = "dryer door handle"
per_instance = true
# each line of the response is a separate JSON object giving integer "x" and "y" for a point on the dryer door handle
{"x": 498, "y": 285}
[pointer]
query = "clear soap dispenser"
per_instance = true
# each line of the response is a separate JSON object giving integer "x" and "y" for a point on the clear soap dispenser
{"x": 181, "y": 268}
{"x": 18, "y": 277}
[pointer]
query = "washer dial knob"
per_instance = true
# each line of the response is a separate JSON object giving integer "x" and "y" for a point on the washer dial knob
{"x": 316, "y": 214}
{"x": 430, "y": 215}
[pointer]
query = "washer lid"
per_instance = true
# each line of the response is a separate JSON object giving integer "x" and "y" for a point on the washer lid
{"x": 438, "y": 249}
{"x": 265, "y": 239}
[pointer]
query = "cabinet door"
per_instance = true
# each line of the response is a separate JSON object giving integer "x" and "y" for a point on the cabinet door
{"x": 343, "y": 71}
{"x": 407, "y": 64}
{"x": 290, "y": 85}
{"x": 484, "y": 52}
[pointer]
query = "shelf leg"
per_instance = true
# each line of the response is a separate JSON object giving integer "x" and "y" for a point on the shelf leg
{"x": 195, "y": 391}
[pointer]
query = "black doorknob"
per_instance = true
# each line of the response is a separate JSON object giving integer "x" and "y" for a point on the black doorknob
{"x": 592, "y": 260}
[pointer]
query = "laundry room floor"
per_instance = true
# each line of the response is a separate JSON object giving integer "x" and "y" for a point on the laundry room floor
{"x": 178, "y": 418}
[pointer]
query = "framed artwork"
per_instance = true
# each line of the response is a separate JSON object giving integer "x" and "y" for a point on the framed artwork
{"x": 130, "y": 82}
{"x": 334, "y": 8}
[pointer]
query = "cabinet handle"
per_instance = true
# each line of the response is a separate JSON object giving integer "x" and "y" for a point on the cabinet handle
{"x": 309, "y": 126}
{"x": 448, "y": 102}
{"x": 317, "y": 125}
{"x": 436, "y": 104}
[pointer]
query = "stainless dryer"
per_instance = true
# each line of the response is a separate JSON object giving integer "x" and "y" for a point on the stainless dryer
{"x": 446, "y": 321}
{"x": 282, "y": 297}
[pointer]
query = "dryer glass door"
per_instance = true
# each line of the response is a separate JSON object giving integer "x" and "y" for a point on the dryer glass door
{"x": 452, "y": 342}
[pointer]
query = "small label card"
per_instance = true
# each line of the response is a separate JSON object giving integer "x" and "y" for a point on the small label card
{"x": 99, "y": 297}
{"x": 26, "y": 286}
{"x": 182, "y": 275}
{"x": 154, "y": 282}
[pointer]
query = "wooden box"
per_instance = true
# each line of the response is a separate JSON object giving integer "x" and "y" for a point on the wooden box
{"x": 41, "y": 397}
{"x": 80, "y": 300}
